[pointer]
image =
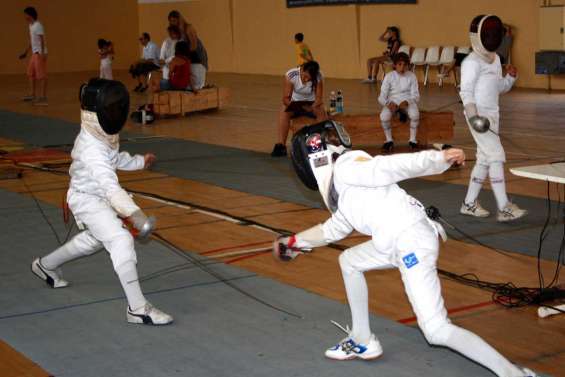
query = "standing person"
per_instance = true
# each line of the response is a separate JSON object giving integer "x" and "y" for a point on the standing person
{"x": 303, "y": 94}
{"x": 106, "y": 54}
{"x": 37, "y": 65}
{"x": 198, "y": 53}
{"x": 167, "y": 53}
{"x": 362, "y": 194}
{"x": 303, "y": 52}
{"x": 392, "y": 38}
{"x": 149, "y": 62}
{"x": 98, "y": 202}
{"x": 481, "y": 85}
{"x": 400, "y": 95}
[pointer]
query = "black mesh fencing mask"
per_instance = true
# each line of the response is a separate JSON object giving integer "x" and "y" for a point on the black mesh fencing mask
{"x": 109, "y": 99}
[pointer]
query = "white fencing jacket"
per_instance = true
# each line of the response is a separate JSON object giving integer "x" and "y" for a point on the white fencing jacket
{"x": 398, "y": 88}
{"x": 95, "y": 161}
{"x": 482, "y": 83}
{"x": 371, "y": 202}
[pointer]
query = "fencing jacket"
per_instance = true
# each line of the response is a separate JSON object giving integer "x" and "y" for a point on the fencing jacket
{"x": 398, "y": 88}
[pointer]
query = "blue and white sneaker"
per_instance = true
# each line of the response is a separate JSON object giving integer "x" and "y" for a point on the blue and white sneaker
{"x": 528, "y": 372}
{"x": 348, "y": 349}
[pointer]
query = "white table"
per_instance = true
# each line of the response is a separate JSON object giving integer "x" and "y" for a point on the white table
{"x": 549, "y": 173}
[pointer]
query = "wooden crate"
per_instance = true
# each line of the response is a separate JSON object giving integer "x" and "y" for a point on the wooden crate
{"x": 366, "y": 129}
{"x": 179, "y": 102}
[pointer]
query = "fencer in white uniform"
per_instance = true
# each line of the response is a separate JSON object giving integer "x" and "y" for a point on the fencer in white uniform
{"x": 362, "y": 194}
{"x": 481, "y": 85}
{"x": 399, "y": 90}
{"x": 99, "y": 203}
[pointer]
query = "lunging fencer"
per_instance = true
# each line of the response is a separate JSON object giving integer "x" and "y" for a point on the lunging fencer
{"x": 99, "y": 203}
{"x": 362, "y": 194}
{"x": 481, "y": 85}
{"x": 399, "y": 96}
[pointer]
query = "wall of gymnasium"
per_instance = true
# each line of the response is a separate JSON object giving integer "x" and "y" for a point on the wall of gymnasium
{"x": 255, "y": 36}
{"x": 72, "y": 29}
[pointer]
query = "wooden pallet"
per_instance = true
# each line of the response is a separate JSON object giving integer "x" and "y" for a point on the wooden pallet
{"x": 366, "y": 129}
{"x": 174, "y": 102}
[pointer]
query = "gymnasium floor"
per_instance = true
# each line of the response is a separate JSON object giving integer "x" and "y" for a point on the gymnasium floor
{"x": 218, "y": 160}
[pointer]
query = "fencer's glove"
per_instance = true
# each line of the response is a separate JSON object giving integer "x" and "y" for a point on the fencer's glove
{"x": 141, "y": 225}
{"x": 284, "y": 248}
{"x": 478, "y": 123}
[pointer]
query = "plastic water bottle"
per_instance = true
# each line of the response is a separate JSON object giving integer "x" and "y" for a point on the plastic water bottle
{"x": 333, "y": 102}
{"x": 339, "y": 102}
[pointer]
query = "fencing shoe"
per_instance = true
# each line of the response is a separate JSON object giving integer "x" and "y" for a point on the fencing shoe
{"x": 528, "y": 372}
{"x": 388, "y": 147}
{"x": 474, "y": 209}
{"x": 279, "y": 150}
{"x": 53, "y": 278}
{"x": 510, "y": 213}
{"x": 148, "y": 315}
{"x": 348, "y": 349}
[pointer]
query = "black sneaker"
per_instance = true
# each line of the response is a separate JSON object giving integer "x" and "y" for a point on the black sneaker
{"x": 388, "y": 146}
{"x": 413, "y": 146}
{"x": 139, "y": 86}
{"x": 143, "y": 88}
{"x": 279, "y": 151}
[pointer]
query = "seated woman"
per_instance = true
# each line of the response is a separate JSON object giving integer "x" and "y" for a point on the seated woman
{"x": 392, "y": 37}
{"x": 179, "y": 71}
{"x": 303, "y": 94}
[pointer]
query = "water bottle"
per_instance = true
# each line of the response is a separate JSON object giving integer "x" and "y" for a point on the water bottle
{"x": 339, "y": 102}
{"x": 333, "y": 102}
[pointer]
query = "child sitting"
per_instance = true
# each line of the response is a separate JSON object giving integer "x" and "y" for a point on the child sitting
{"x": 179, "y": 71}
{"x": 400, "y": 96}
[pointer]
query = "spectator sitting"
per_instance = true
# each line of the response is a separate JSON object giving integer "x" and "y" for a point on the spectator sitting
{"x": 106, "y": 53}
{"x": 303, "y": 94}
{"x": 392, "y": 37}
{"x": 303, "y": 52}
{"x": 168, "y": 49}
{"x": 179, "y": 68}
{"x": 149, "y": 62}
{"x": 198, "y": 53}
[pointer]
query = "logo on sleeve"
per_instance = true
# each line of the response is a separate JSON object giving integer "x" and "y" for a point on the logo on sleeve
{"x": 410, "y": 260}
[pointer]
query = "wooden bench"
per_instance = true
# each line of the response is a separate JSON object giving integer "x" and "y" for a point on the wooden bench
{"x": 366, "y": 129}
{"x": 176, "y": 102}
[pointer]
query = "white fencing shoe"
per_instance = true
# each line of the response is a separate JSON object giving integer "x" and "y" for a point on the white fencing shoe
{"x": 510, "y": 213}
{"x": 148, "y": 315}
{"x": 528, "y": 372}
{"x": 53, "y": 278}
{"x": 348, "y": 349}
{"x": 474, "y": 209}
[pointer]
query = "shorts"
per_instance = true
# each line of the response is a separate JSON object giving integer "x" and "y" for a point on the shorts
{"x": 300, "y": 108}
{"x": 142, "y": 69}
{"x": 37, "y": 67}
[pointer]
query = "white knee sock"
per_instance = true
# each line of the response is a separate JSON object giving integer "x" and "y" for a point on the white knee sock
{"x": 127, "y": 273}
{"x": 80, "y": 245}
{"x": 413, "y": 131}
{"x": 387, "y": 130}
{"x": 358, "y": 298}
{"x": 498, "y": 184}
{"x": 476, "y": 349}
{"x": 478, "y": 176}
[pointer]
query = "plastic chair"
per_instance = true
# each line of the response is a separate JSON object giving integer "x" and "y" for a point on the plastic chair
{"x": 405, "y": 49}
{"x": 446, "y": 58}
{"x": 432, "y": 59}
{"x": 418, "y": 58}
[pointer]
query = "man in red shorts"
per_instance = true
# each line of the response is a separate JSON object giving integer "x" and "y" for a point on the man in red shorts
{"x": 37, "y": 65}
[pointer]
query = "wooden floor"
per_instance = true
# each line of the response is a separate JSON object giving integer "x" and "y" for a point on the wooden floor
{"x": 533, "y": 128}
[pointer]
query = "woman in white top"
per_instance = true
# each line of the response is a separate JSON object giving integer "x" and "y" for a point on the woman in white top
{"x": 303, "y": 95}
{"x": 168, "y": 49}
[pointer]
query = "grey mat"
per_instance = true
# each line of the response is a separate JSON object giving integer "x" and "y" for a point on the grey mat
{"x": 259, "y": 174}
{"x": 81, "y": 330}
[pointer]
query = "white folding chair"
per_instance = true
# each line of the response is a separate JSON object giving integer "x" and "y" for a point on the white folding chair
{"x": 405, "y": 49}
{"x": 446, "y": 58}
{"x": 432, "y": 59}
{"x": 418, "y": 58}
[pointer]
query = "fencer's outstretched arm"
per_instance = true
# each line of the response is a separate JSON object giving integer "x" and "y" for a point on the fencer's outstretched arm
{"x": 127, "y": 162}
{"x": 386, "y": 170}
{"x": 385, "y": 90}
{"x": 102, "y": 171}
{"x": 334, "y": 229}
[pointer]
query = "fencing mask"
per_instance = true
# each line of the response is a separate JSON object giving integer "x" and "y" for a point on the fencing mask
{"x": 314, "y": 150}
{"x": 486, "y": 34}
{"x": 109, "y": 100}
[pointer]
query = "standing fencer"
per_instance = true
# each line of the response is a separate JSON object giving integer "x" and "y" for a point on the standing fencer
{"x": 362, "y": 194}
{"x": 400, "y": 95}
{"x": 99, "y": 203}
{"x": 481, "y": 85}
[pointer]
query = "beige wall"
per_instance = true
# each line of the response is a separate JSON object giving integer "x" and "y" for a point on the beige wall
{"x": 255, "y": 36}
{"x": 72, "y": 28}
